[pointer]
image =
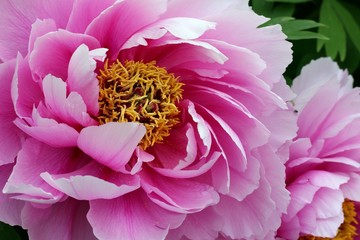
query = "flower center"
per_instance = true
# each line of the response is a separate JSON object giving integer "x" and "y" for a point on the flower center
{"x": 347, "y": 230}
{"x": 140, "y": 92}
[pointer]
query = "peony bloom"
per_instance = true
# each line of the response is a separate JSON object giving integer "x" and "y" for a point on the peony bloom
{"x": 141, "y": 119}
{"x": 323, "y": 169}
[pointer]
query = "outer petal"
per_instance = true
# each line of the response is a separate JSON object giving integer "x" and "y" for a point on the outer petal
{"x": 78, "y": 21}
{"x": 62, "y": 221}
{"x": 104, "y": 183}
{"x": 52, "y": 53}
{"x": 48, "y": 130}
{"x": 10, "y": 209}
{"x": 183, "y": 196}
{"x": 312, "y": 77}
{"x": 39, "y": 28}
{"x": 33, "y": 159}
{"x": 249, "y": 217}
{"x": 23, "y": 99}
{"x": 10, "y": 140}
{"x": 131, "y": 217}
{"x": 202, "y": 225}
{"x": 268, "y": 42}
{"x": 111, "y": 144}
{"x": 16, "y": 19}
{"x": 116, "y": 25}
{"x": 180, "y": 27}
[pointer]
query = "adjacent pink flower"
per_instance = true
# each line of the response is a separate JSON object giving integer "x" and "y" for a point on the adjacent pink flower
{"x": 142, "y": 119}
{"x": 323, "y": 169}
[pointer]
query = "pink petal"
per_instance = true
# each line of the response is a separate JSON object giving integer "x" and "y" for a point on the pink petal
{"x": 179, "y": 150}
{"x": 10, "y": 209}
{"x": 115, "y": 26}
{"x": 103, "y": 184}
{"x": 78, "y": 21}
{"x": 350, "y": 189}
{"x": 322, "y": 178}
{"x": 221, "y": 110}
{"x": 205, "y": 224}
{"x": 34, "y": 159}
{"x": 268, "y": 42}
{"x": 258, "y": 209}
{"x": 48, "y": 130}
{"x": 62, "y": 221}
{"x": 318, "y": 109}
{"x": 180, "y": 27}
{"x": 82, "y": 77}
{"x": 69, "y": 109}
{"x": 201, "y": 8}
{"x": 52, "y": 53}
{"x": 16, "y": 20}
{"x": 111, "y": 144}
{"x": 23, "y": 99}
{"x": 144, "y": 219}
{"x": 183, "y": 196}
{"x": 39, "y": 28}
{"x": 203, "y": 164}
{"x": 312, "y": 78}
{"x": 10, "y": 140}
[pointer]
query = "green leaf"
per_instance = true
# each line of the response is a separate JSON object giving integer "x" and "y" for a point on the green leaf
{"x": 349, "y": 23}
{"x": 300, "y": 35}
{"x": 289, "y": 1}
{"x": 262, "y": 7}
{"x": 336, "y": 45}
{"x": 7, "y": 232}
{"x": 294, "y": 29}
{"x": 298, "y": 25}
{"x": 283, "y": 9}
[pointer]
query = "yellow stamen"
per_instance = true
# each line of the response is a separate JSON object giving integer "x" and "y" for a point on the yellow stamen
{"x": 140, "y": 92}
{"x": 347, "y": 230}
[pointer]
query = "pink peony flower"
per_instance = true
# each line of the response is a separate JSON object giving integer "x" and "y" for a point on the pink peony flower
{"x": 323, "y": 169}
{"x": 142, "y": 119}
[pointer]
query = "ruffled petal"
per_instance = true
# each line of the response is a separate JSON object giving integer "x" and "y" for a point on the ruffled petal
{"x": 34, "y": 159}
{"x": 111, "y": 144}
{"x": 52, "y": 53}
{"x": 82, "y": 77}
{"x": 10, "y": 209}
{"x": 23, "y": 99}
{"x": 62, "y": 221}
{"x": 312, "y": 78}
{"x": 39, "y": 28}
{"x": 202, "y": 225}
{"x": 180, "y": 27}
{"x": 258, "y": 209}
{"x": 69, "y": 109}
{"x": 48, "y": 130}
{"x": 116, "y": 24}
{"x": 104, "y": 183}
{"x": 17, "y": 17}
{"x": 183, "y": 196}
{"x": 78, "y": 21}
{"x": 10, "y": 140}
{"x": 144, "y": 219}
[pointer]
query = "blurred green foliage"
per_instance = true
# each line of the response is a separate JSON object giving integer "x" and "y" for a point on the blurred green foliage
{"x": 317, "y": 28}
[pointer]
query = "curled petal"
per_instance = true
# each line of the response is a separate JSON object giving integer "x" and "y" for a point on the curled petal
{"x": 77, "y": 184}
{"x": 144, "y": 219}
{"x": 82, "y": 77}
{"x": 185, "y": 196}
{"x": 48, "y": 130}
{"x": 111, "y": 144}
{"x": 52, "y": 53}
